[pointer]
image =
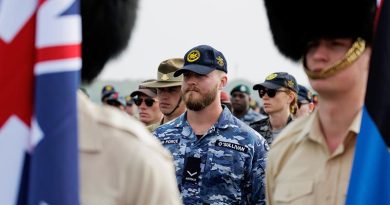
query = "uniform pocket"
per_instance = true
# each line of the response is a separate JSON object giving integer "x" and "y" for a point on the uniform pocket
{"x": 294, "y": 192}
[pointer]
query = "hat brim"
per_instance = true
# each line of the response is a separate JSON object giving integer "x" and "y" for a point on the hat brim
{"x": 266, "y": 85}
{"x": 160, "y": 84}
{"x": 143, "y": 91}
{"x": 199, "y": 69}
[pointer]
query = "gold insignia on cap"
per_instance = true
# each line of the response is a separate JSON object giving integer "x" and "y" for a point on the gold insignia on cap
{"x": 220, "y": 61}
{"x": 108, "y": 88}
{"x": 272, "y": 76}
{"x": 128, "y": 98}
{"x": 165, "y": 77}
{"x": 309, "y": 95}
{"x": 290, "y": 84}
{"x": 193, "y": 56}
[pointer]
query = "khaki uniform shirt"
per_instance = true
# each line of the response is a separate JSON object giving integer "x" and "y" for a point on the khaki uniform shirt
{"x": 121, "y": 163}
{"x": 301, "y": 170}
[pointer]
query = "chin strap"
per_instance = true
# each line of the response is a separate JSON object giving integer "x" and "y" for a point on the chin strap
{"x": 351, "y": 56}
{"x": 174, "y": 109}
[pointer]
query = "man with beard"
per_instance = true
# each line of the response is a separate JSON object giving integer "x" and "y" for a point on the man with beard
{"x": 120, "y": 162}
{"x": 241, "y": 97}
{"x": 218, "y": 158}
{"x": 168, "y": 91}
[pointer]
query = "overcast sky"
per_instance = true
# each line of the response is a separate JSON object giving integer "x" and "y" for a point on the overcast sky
{"x": 169, "y": 28}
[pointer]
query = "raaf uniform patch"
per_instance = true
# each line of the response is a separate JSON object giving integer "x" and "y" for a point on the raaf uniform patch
{"x": 170, "y": 141}
{"x": 193, "y": 56}
{"x": 272, "y": 76}
{"x": 232, "y": 146}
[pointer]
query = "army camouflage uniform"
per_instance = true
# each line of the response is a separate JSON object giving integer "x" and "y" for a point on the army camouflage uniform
{"x": 264, "y": 128}
{"x": 251, "y": 116}
{"x": 230, "y": 161}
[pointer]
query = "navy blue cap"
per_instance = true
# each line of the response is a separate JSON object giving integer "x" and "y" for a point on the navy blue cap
{"x": 107, "y": 90}
{"x": 241, "y": 88}
{"x": 304, "y": 94}
{"x": 278, "y": 80}
{"x": 203, "y": 59}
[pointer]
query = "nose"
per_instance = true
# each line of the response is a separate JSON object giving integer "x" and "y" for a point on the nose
{"x": 319, "y": 52}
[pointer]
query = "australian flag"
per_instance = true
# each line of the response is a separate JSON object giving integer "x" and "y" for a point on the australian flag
{"x": 370, "y": 179}
{"x": 40, "y": 49}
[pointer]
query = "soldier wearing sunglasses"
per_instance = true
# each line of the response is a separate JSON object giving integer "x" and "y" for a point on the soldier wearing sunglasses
{"x": 279, "y": 95}
{"x": 146, "y": 100}
{"x": 168, "y": 91}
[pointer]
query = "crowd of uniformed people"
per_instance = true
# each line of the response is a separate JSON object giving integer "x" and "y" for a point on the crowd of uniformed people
{"x": 181, "y": 138}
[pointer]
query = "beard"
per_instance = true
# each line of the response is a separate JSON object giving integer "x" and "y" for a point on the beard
{"x": 199, "y": 104}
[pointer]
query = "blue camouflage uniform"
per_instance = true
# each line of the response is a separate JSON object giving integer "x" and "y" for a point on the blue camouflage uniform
{"x": 251, "y": 116}
{"x": 264, "y": 128}
{"x": 225, "y": 166}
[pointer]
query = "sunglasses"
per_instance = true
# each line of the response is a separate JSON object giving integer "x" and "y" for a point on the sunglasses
{"x": 270, "y": 92}
{"x": 148, "y": 101}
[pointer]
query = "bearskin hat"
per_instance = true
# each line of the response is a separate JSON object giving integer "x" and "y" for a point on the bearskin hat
{"x": 295, "y": 23}
{"x": 106, "y": 30}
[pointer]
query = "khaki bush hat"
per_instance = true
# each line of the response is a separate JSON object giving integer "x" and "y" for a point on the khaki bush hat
{"x": 165, "y": 72}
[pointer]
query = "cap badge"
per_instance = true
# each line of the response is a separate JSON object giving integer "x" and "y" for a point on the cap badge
{"x": 108, "y": 88}
{"x": 220, "y": 61}
{"x": 242, "y": 88}
{"x": 309, "y": 95}
{"x": 128, "y": 98}
{"x": 290, "y": 83}
{"x": 165, "y": 77}
{"x": 193, "y": 56}
{"x": 271, "y": 77}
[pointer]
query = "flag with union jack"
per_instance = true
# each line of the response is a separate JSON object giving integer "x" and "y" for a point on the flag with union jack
{"x": 40, "y": 49}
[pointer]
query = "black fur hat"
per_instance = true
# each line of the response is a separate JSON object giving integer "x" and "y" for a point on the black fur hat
{"x": 107, "y": 26}
{"x": 294, "y": 23}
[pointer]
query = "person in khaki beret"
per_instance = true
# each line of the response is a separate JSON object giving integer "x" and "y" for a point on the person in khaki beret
{"x": 121, "y": 163}
{"x": 168, "y": 91}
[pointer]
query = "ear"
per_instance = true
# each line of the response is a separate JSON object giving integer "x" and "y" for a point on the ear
{"x": 311, "y": 107}
{"x": 291, "y": 97}
{"x": 223, "y": 82}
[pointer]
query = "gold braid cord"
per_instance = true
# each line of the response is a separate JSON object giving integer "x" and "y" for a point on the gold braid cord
{"x": 351, "y": 56}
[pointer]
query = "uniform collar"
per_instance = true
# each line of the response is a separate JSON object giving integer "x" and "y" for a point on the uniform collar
{"x": 223, "y": 122}
{"x": 312, "y": 129}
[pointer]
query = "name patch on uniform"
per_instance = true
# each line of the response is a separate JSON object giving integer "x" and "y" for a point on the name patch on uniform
{"x": 232, "y": 146}
{"x": 170, "y": 141}
{"x": 191, "y": 170}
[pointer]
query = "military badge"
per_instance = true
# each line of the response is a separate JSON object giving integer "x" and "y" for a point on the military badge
{"x": 290, "y": 84}
{"x": 272, "y": 76}
{"x": 309, "y": 95}
{"x": 165, "y": 77}
{"x": 220, "y": 61}
{"x": 193, "y": 56}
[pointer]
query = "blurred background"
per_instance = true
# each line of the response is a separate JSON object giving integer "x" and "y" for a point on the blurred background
{"x": 169, "y": 28}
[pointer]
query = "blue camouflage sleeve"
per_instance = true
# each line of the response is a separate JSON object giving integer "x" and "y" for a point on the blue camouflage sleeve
{"x": 255, "y": 183}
